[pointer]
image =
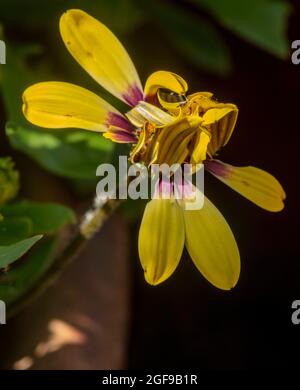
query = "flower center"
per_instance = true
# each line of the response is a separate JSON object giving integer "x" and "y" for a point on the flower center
{"x": 183, "y": 130}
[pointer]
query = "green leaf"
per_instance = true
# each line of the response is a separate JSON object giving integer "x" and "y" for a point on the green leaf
{"x": 193, "y": 36}
{"x": 17, "y": 76}
{"x": 75, "y": 154}
{"x": 25, "y": 274}
{"x": 13, "y": 230}
{"x": 262, "y": 22}
{"x": 46, "y": 218}
{"x": 11, "y": 253}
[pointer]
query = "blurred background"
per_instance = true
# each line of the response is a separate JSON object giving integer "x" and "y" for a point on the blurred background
{"x": 101, "y": 314}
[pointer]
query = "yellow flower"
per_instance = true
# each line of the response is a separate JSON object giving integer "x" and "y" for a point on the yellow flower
{"x": 165, "y": 125}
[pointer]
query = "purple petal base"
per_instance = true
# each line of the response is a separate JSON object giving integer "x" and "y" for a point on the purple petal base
{"x": 133, "y": 96}
{"x": 120, "y": 136}
{"x": 118, "y": 120}
{"x": 152, "y": 99}
{"x": 184, "y": 189}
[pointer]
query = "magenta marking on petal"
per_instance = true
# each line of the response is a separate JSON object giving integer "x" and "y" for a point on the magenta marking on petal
{"x": 133, "y": 95}
{"x": 152, "y": 99}
{"x": 163, "y": 188}
{"x": 120, "y": 135}
{"x": 119, "y": 121}
{"x": 217, "y": 168}
{"x": 124, "y": 137}
{"x": 184, "y": 189}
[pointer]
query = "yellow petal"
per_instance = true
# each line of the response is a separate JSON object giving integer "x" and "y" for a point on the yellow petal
{"x": 221, "y": 121}
{"x": 161, "y": 239}
{"x": 219, "y": 117}
{"x": 139, "y": 149}
{"x": 59, "y": 105}
{"x": 200, "y": 147}
{"x": 165, "y": 80}
{"x": 206, "y": 95}
{"x": 172, "y": 141}
{"x": 120, "y": 136}
{"x": 145, "y": 112}
{"x": 101, "y": 54}
{"x": 215, "y": 115}
{"x": 212, "y": 246}
{"x": 253, "y": 183}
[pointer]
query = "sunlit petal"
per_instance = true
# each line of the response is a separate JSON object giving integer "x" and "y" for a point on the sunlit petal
{"x": 166, "y": 80}
{"x": 222, "y": 121}
{"x": 215, "y": 115}
{"x": 212, "y": 246}
{"x": 161, "y": 239}
{"x": 253, "y": 183}
{"x": 219, "y": 117}
{"x": 172, "y": 141}
{"x": 145, "y": 112}
{"x": 101, "y": 54}
{"x": 200, "y": 147}
{"x": 59, "y": 105}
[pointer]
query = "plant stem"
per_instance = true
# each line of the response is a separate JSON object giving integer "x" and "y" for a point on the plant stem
{"x": 92, "y": 222}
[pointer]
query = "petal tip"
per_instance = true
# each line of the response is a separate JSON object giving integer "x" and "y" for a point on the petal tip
{"x": 227, "y": 285}
{"x": 75, "y": 13}
{"x": 151, "y": 279}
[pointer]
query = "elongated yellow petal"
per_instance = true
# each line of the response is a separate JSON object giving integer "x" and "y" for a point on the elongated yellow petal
{"x": 58, "y": 105}
{"x": 101, "y": 54}
{"x": 253, "y": 183}
{"x": 161, "y": 239}
{"x": 212, "y": 246}
{"x": 165, "y": 80}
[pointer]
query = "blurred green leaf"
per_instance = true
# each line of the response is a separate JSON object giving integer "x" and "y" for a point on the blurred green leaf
{"x": 19, "y": 279}
{"x": 45, "y": 218}
{"x": 194, "y": 37}
{"x": 121, "y": 16}
{"x": 9, "y": 180}
{"x": 75, "y": 154}
{"x": 11, "y": 253}
{"x": 18, "y": 75}
{"x": 13, "y": 230}
{"x": 262, "y": 22}
{"x": 13, "y": 11}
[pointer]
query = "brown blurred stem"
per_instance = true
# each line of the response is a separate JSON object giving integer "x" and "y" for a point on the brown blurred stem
{"x": 92, "y": 222}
